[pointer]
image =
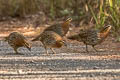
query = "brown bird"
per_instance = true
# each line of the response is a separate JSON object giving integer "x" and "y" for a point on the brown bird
{"x": 91, "y": 36}
{"x": 16, "y": 40}
{"x": 50, "y": 40}
{"x": 60, "y": 29}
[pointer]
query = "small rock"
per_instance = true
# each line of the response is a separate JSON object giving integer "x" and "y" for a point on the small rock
{"x": 95, "y": 67}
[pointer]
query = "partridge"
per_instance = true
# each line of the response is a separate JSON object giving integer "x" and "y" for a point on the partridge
{"x": 60, "y": 29}
{"x": 91, "y": 36}
{"x": 51, "y": 40}
{"x": 16, "y": 40}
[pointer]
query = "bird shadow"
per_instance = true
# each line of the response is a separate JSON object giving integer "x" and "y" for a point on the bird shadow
{"x": 14, "y": 54}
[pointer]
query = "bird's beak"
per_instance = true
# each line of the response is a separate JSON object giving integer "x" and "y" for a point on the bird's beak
{"x": 29, "y": 49}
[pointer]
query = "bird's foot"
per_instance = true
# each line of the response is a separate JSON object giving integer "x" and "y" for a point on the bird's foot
{"x": 53, "y": 51}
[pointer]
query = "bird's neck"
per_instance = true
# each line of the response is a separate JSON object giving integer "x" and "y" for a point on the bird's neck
{"x": 65, "y": 26}
{"x": 105, "y": 33}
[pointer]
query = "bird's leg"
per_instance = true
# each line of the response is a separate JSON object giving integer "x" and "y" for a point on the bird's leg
{"x": 87, "y": 48}
{"x": 16, "y": 52}
{"x": 15, "y": 49}
{"x": 94, "y": 48}
{"x": 53, "y": 50}
{"x": 46, "y": 50}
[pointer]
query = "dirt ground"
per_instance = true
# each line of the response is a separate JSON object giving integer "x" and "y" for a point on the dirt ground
{"x": 70, "y": 63}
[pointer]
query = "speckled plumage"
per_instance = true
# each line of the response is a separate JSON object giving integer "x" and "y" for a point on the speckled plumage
{"x": 16, "y": 40}
{"x": 60, "y": 29}
{"x": 91, "y": 36}
{"x": 50, "y": 40}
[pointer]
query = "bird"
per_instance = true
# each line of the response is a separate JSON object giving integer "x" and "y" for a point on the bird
{"x": 51, "y": 40}
{"x": 92, "y": 37}
{"x": 60, "y": 29}
{"x": 16, "y": 40}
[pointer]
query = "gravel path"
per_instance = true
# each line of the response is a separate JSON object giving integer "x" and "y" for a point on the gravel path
{"x": 71, "y": 63}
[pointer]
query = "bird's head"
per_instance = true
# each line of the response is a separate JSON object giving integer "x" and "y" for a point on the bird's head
{"x": 104, "y": 32}
{"x": 106, "y": 28}
{"x": 67, "y": 22}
